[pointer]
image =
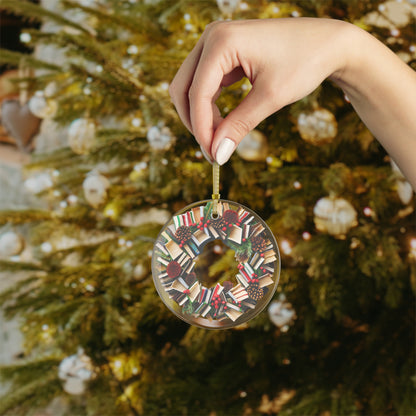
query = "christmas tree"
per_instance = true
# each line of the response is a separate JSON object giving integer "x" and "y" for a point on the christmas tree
{"x": 339, "y": 336}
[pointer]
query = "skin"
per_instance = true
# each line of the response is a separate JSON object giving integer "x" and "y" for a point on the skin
{"x": 285, "y": 60}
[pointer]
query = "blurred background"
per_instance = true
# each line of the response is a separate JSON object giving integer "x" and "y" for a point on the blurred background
{"x": 94, "y": 160}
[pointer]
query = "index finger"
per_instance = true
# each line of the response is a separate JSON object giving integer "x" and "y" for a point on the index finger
{"x": 203, "y": 92}
{"x": 179, "y": 87}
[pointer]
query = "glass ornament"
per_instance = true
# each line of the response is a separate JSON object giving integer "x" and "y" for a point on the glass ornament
{"x": 281, "y": 312}
{"x": 81, "y": 135}
{"x": 228, "y": 7}
{"x": 11, "y": 244}
{"x": 334, "y": 216}
{"x": 41, "y": 106}
{"x": 95, "y": 188}
{"x": 197, "y": 287}
{"x": 317, "y": 127}
{"x": 253, "y": 147}
{"x": 75, "y": 371}
{"x": 160, "y": 137}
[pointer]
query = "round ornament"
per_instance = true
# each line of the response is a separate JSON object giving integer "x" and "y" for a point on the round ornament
{"x": 253, "y": 147}
{"x": 318, "y": 127}
{"x": 41, "y": 106}
{"x": 228, "y": 7}
{"x": 334, "y": 216}
{"x": 281, "y": 312}
{"x": 38, "y": 183}
{"x": 11, "y": 244}
{"x": 160, "y": 137}
{"x": 95, "y": 188}
{"x": 184, "y": 264}
{"x": 75, "y": 371}
{"x": 81, "y": 135}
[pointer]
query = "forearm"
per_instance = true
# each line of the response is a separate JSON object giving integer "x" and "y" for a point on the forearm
{"x": 382, "y": 89}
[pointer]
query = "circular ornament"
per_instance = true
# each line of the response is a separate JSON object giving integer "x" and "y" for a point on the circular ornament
{"x": 95, "y": 188}
{"x": 334, "y": 216}
{"x": 11, "y": 244}
{"x": 75, "y": 371}
{"x": 160, "y": 137}
{"x": 318, "y": 127}
{"x": 42, "y": 106}
{"x": 281, "y": 312}
{"x": 228, "y": 7}
{"x": 81, "y": 135}
{"x": 185, "y": 258}
{"x": 253, "y": 147}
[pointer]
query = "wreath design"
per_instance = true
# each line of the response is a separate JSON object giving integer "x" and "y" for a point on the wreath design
{"x": 180, "y": 243}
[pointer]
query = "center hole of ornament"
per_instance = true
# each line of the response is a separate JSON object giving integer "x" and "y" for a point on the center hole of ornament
{"x": 216, "y": 264}
{"x": 215, "y": 215}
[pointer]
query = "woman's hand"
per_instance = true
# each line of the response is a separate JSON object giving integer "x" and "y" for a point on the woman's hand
{"x": 285, "y": 60}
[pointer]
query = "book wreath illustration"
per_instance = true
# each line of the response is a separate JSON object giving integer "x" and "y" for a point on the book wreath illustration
{"x": 183, "y": 239}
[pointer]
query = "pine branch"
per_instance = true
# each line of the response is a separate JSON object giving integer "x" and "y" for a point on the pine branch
{"x": 24, "y": 216}
{"x": 100, "y": 53}
{"x": 14, "y": 266}
{"x": 36, "y": 12}
{"x": 16, "y": 58}
{"x": 40, "y": 386}
{"x": 136, "y": 23}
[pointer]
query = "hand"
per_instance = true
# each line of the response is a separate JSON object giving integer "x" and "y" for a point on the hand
{"x": 284, "y": 59}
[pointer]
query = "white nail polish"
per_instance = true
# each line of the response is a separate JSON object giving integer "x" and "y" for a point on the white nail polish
{"x": 225, "y": 150}
{"x": 206, "y": 156}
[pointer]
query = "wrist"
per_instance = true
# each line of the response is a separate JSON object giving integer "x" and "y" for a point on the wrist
{"x": 349, "y": 54}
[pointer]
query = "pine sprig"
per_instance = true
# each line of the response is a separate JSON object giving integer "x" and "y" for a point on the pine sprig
{"x": 35, "y": 392}
{"x": 24, "y": 216}
{"x": 35, "y": 12}
{"x": 139, "y": 23}
{"x": 16, "y": 59}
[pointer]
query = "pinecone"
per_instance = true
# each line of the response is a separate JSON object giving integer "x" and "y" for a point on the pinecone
{"x": 230, "y": 216}
{"x": 258, "y": 243}
{"x": 174, "y": 269}
{"x": 254, "y": 291}
{"x": 183, "y": 233}
{"x": 218, "y": 223}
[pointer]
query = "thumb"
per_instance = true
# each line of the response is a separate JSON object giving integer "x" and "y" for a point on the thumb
{"x": 244, "y": 118}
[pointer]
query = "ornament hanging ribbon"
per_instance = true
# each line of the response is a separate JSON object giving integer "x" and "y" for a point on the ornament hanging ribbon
{"x": 215, "y": 188}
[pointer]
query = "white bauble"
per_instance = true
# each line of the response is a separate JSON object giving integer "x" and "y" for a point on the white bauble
{"x": 81, "y": 135}
{"x": 228, "y": 7}
{"x": 334, "y": 216}
{"x": 95, "y": 188}
{"x": 318, "y": 127}
{"x": 253, "y": 147}
{"x": 139, "y": 271}
{"x": 160, "y": 137}
{"x": 76, "y": 370}
{"x": 281, "y": 312}
{"x": 74, "y": 386}
{"x": 41, "y": 106}
{"x": 38, "y": 183}
{"x": 11, "y": 244}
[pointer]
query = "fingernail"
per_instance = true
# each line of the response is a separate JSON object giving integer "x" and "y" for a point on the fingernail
{"x": 225, "y": 150}
{"x": 207, "y": 156}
